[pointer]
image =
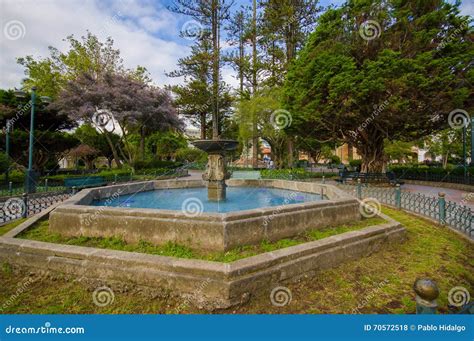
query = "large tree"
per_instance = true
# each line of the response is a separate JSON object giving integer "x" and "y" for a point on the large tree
{"x": 120, "y": 103}
{"x": 210, "y": 14}
{"x": 382, "y": 70}
{"x": 50, "y": 139}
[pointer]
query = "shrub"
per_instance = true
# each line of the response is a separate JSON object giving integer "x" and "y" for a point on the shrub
{"x": 288, "y": 174}
{"x": 191, "y": 155}
{"x": 152, "y": 164}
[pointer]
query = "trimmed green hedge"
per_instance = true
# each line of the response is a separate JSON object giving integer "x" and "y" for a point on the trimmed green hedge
{"x": 427, "y": 170}
{"x": 289, "y": 174}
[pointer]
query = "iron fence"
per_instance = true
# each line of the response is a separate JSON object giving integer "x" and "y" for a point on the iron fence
{"x": 453, "y": 214}
{"x": 15, "y": 204}
{"x": 434, "y": 177}
{"x": 26, "y": 205}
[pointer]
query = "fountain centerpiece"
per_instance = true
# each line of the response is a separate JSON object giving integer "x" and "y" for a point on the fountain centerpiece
{"x": 216, "y": 172}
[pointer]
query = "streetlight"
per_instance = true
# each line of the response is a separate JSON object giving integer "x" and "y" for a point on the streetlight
{"x": 30, "y": 184}
{"x": 7, "y": 150}
{"x": 472, "y": 140}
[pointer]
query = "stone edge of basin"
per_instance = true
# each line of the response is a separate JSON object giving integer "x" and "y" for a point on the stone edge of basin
{"x": 222, "y": 284}
{"x": 80, "y": 202}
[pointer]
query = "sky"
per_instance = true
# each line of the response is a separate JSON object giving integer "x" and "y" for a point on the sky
{"x": 145, "y": 31}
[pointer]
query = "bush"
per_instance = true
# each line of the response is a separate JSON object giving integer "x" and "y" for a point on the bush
{"x": 191, "y": 155}
{"x": 334, "y": 160}
{"x": 355, "y": 163}
{"x": 4, "y": 162}
{"x": 424, "y": 170}
{"x": 288, "y": 174}
{"x": 152, "y": 164}
{"x": 15, "y": 176}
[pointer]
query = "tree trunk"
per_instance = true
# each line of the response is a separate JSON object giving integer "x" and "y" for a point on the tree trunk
{"x": 215, "y": 68}
{"x": 142, "y": 143}
{"x": 255, "y": 151}
{"x": 290, "y": 152}
{"x": 254, "y": 84}
{"x": 203, "y": 125}
{"x": 114, "y": 150}
{"x": 373, "y": 157}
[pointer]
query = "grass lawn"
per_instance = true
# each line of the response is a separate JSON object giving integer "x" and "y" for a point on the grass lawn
{"x": 379, "y": 283}
{"x": 5, "y": 228}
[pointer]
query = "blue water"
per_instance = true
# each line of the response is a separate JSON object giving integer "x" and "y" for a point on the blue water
{"x": 192, "y": 199}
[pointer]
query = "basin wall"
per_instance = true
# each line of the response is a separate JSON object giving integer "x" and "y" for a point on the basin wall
{"x": 205, "y": 231}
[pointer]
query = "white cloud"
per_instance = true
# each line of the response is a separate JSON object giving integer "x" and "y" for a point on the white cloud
{"x": 48, "y": 22}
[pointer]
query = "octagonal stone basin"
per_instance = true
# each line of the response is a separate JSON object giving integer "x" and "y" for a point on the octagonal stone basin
{"x": 89, "y": 213}
{"x": 194, "y": 201}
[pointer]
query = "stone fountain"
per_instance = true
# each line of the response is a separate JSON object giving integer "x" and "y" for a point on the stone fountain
{"x": 216, "y": 172}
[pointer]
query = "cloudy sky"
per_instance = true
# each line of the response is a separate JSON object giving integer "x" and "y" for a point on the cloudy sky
{"x": 144, "y": 30}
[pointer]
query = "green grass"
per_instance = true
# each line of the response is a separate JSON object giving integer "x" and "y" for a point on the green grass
{"x": 386, "y": 277}
{"x": 40, "y": 232}
{"x": 6, "y": 228}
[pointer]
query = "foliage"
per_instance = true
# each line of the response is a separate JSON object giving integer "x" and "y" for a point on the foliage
{"x": 398, "y": 86}
{"x": 88, "y": 135}
{"x": 85, "y": 55}
{"x": 4, "y": 162}
{"x": 421, "y": 170}
{"x": 447, "y": 144}
{"x": 355, "y": 163}
{"x": 399, "y": 150}
{"x": 286, "y": 174}
{"x": 155, "y": 164}
{"x": 191, "y": 155}
{"x": 260, "y": 111}
{"x": 129, "y": 103}
{"x": 165, "y": 144}
{"x": 50, "y": 139}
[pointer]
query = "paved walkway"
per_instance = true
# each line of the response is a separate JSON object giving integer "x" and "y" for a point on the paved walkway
{"x": 451, "y": 194}
{"x": 194, "y": 175}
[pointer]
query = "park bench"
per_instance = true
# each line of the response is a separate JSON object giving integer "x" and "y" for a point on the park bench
{"x": 375, "y": 178}
{"x": 83, "y": 182}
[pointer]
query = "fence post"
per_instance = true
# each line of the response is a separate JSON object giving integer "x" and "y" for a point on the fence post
{"x": 442, "y": 207}
{"x": 45, "y": 185}
{"x": 74, "y": 190}
{"x": 25, "y": 205}
{"x": 324, "y": 180}
{"x": 10, "y": 188}
{"x": 398, "y": 196}
{"x": 115, "y": 178}
{"x": 359, "y": 189}
{"x": 131, "y": 176}
{"x": 426, "y": 294}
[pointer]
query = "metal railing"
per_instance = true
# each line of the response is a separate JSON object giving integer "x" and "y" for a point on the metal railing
{"x": 16, "y": 204}
{"x": 453, "y": 214}
{"x": 26, "y": 205}
{"x": 434, "y": 177}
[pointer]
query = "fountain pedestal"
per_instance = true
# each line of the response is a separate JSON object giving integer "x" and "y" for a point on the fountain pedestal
{"x": 216, "y": 172}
